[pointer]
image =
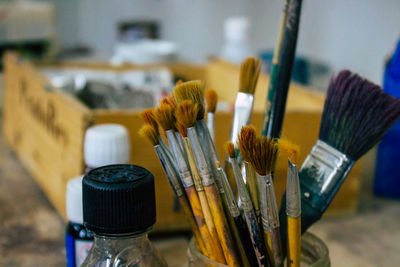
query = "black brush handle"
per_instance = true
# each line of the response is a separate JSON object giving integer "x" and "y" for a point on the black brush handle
{"x": 244, "y": 236}
{"x": 309, "y": 216}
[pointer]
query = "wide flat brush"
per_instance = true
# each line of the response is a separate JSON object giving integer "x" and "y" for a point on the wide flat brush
{"x": 164, "y": 114}
{"x": 247, "y": 208}
{"x": 187, "y": 115}
{"x": 149, "y": 132}
{"x": 281, "y": 70}
{"x": 211, "y": 101}
{"x": 261, "y": 155}
{"x": 357, "y": 113}
{"x": 293, "y": 207}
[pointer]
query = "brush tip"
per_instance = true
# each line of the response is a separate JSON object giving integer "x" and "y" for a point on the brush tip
{"x": 211, "y": 100}
{"x": 229, "y": 149}
{"x": 191, "y": 90}
{"x": 148, "y": 117}
{"x": 150, "y": 133}
{"x": 164, "y": 115}
{"x": 291, "y": 149}
{"x": 186, "y": 113}
{"x": 249, "y": 73}
{"x": 246, "y": 140}
{"x": 181, "y": 129}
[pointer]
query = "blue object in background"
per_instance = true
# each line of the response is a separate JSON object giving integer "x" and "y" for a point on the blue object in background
{"x": 387, "y": 175}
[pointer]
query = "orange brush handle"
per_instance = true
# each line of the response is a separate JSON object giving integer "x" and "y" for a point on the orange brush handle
{"x": 221, "y": 224}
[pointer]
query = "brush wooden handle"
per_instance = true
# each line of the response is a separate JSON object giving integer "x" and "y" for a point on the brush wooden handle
{"x": 244, "y": 240}
{"x": 309, "y": 216}
{"x": 276, "y": 247}
{"x": 256, "y": 237}
{"x": 183, "y": 201}
{"x": 211, "y": 242}
{"x": 221, "y": 224}
{"x": 293, "y": 241}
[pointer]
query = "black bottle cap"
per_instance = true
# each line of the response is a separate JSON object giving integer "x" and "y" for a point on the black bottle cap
{"x": 118, "y": 199}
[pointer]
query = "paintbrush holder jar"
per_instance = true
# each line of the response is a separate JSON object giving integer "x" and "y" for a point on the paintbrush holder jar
{"x": 314, "y": 253}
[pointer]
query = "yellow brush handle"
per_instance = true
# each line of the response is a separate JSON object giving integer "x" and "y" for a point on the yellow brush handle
{"x": 293, "y": 241}
{"x": 183, "y": 201}
{"x": 221, "y": 224}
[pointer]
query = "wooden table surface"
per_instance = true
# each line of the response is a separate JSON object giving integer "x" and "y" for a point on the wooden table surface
{"x": 32, "y": 233}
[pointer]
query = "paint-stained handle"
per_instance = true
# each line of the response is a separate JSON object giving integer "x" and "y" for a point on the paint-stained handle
{"x": 221, "y": 224}
{"x": 256, "y": 238}
{"x": 276, "y": 247}
{"x": 245, "y": 240}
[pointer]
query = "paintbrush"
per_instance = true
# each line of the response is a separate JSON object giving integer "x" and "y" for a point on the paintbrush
{"x": 261, "y": 155}
{"x": 164, "y": 114}
{"x": 149, "y": 132}
{"x": 211, "y": 101}
{"x": 242, "y": 231}
{"x": 293, "y": 207}
{"x": 148, "y": 118}
{"x": 281, "y": 70}
{"x": 357, "y": 113}
{"x": 186, "y": 114}
{"x": 247, "y": 207}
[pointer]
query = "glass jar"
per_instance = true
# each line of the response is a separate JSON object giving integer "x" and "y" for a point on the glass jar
{"x": 314, "y": 253}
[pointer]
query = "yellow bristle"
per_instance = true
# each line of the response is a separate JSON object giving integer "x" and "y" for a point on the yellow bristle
{"x": 147, "y": 116}
{"x": 164, "y": 115}
{"x": 291, "y": 149}
{"x": 230, "y": 149}
{"x": 211, "y": 100}
{"x": 186, "y": 113}
{"x": 150, "y": 133}
{"x": 249, "y": 73}
{"x": 192, "y": 90}
{"x": 181, "y": 129}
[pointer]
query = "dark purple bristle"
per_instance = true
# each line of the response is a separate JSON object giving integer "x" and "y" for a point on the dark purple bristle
{"x": 357, "y": 113}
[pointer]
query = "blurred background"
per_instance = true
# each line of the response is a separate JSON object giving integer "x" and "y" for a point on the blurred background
{"x": 95, "y": 50}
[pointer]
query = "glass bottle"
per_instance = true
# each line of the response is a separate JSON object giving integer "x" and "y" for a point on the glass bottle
{"x": 119, "y": 209}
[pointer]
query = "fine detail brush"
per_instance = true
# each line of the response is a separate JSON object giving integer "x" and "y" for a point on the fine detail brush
{"x": 241, "y": 227}
{"x": 262, "y": 154}
{"x": 356, "y": 115}
{"x": 149, "y": 132}
{"x": 247, "y": 207}
{"x": 284, "y": 55}
{"x": 293, "y": 204}
{"x": 164, "y": 114}
{"x": 211, "y": 101}
{"x": 188, "y": 118}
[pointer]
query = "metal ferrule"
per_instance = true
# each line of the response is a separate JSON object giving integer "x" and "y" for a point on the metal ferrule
{"x": 198, "y": 184}
{"x": 169, "y": 170}
{"x": 242, "y": 114}
{"x": 201, "y": 162}
{"x": 322, "y": 174}
{"x": 293, "y": 197}
{"x": 211, "y": 124}
{"x": 230, "y": 197}
{"x": 208, "y": 145}
{"x": 246, "y": 203}
{"x": 269, "y": 207}
{"x": 166, "y": 149}
{"x": 181, "y": 163}
{"x": 179, "y": 138}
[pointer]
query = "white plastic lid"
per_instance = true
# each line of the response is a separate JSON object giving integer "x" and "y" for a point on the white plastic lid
{"x": 236, "y": 28}
{"x": 74, "y": 200}
{"x": 106, "y": 144}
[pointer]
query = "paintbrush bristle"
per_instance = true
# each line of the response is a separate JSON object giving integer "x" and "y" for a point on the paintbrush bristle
{"x": 230, "y": 149}
{"x": 168, "y": 101}
{"x": 147, "y": 116}
{"x": 291, "y": 149}
{"x": 150, "y": 133}
{"x": 263, "y": 154}
{"x": 164, "y": 115}
{"x": 192, "y": 90}
{"x": 182, "y": 130}
{"x": 211, "y": 100}
{"x": 186, "y": 113}
{"x": 357, "y": 113}
{"x": 246, "y": 139}
{"x": 249, "y": 73}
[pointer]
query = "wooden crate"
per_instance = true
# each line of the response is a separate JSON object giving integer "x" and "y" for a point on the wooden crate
{"x": 45, "y": 127}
